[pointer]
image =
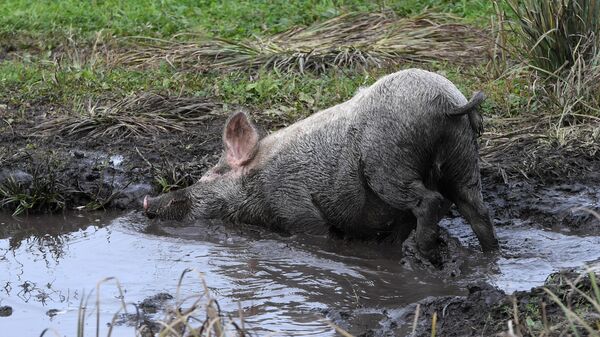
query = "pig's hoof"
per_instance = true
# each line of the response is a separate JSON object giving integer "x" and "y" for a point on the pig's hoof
{"x": 432, "y": 255}
{"x": 491, "y": 248}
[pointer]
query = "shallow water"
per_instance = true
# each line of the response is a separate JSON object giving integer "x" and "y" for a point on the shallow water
{"x": 283, "y": 284}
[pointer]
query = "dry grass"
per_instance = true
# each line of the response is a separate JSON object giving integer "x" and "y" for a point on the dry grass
{"x": 351, "y": 40}
{"x": 535, "y": 145}
{"x": 140, "y": 115}
{"x": 556, "y": 45}
{"x": 196, "y": 315}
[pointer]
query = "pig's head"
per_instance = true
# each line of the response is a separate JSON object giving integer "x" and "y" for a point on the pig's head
{"x": 218, "y": 193}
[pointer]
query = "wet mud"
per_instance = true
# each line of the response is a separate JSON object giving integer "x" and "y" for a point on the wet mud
{"x": 292, "y": 285}
{"x": 101, "y": 173}
{"x": 289, "y": 284}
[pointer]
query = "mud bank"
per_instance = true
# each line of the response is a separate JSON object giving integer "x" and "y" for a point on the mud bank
{"x": 487, "y": 310}
{"x": 114, "y": 173}
{"x": 55, "y": 173}
{"x": 117, "y": 176}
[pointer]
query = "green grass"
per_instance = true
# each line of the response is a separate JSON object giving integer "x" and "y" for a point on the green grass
{"x": 293, "y": 95}
{"x": 26, "y": 82}
{"x": 69, "y": 26}
{"x": 229, "y": 19}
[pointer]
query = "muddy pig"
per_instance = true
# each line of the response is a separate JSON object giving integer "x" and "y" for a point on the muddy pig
{"x": 403, "y": 148}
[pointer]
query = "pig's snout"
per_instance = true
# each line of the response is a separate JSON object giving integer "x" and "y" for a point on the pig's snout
{"x": 149, "y": 213}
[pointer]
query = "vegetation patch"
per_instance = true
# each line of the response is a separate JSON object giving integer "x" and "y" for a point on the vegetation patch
{"x": 141, "y": 115}
{"x": 568, "y": 304}
{"x": 196, "y": 315}
{"x": 355, "y": 40}
{"x": 537, "y": 147}
{"x": 39, "y": 191}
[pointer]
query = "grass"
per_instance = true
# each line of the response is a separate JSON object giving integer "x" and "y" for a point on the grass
{"x": 556, "y": 41}
{"x": 36, "y": 21}
{"x": 142, "y": 115}
{"x": 42, "y": 192}
{"x": 353, "y": 40}
{"x": 577, "y": 299}
{"x": 77, "y": 89}
{"x": 551, "y": 35}
{"x": 196, "y": 315}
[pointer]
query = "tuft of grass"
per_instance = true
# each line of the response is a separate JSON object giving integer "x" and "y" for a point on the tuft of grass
{"x": 578, "y": 300}
{"x": 169, "y": 176}
{"x": 198, "y": 315}
{"x": 43, "y": 193}
{"x": 354, "y": 40}
{"x": 553, "y": 34}
{"x": 141, "y": 115}
{"x": 556, "y": 43}
{"x": 574, "y": 93}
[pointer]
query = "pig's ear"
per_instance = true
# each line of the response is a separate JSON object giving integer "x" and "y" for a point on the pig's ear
{"x": 240, "y": 139}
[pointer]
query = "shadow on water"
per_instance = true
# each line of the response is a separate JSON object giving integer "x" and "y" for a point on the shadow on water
{"x": 286, "y": 284}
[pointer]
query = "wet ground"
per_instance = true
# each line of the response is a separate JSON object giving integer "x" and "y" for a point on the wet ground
{"x": 50, "y": 264}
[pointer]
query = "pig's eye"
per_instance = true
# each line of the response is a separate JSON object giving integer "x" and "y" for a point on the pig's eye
{"x": 178, "y": 201}
{"x": 175, "y": 201}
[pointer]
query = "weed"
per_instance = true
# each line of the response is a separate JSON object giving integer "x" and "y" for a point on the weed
{"x": 43, "y": 193}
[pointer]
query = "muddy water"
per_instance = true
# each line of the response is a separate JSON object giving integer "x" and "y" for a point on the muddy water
{"x": 49, "y": 265}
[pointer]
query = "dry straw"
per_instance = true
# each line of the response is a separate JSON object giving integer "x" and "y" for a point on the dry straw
{"x": 349, "y": 40}
{"x": 140, "y": 115}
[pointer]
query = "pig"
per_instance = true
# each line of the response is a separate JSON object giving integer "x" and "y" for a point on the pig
{"x": 399, "y": 152}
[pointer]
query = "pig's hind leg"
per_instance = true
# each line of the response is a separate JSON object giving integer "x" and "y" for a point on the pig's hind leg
{"x": 427, "y": 206}
{"x": 470, "y": 203}
{"x": 462, "y": 185}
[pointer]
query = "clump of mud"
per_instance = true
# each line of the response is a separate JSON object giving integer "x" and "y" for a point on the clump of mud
{"x": 451, "y": 254}
{"x": 5, "y": 311}
{"x": 146, "y": 319}
{"x": 563, "y": 205}
{"x": 486, "y": 311}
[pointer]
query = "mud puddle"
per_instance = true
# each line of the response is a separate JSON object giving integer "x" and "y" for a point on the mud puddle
{"x": 49, "y": 264}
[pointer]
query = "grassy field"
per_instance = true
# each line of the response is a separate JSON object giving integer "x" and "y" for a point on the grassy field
{"x": 58, "y": 50}
{"x": 230, "y": 19}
